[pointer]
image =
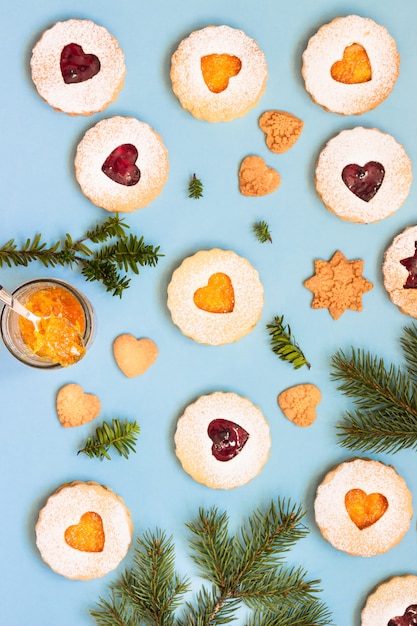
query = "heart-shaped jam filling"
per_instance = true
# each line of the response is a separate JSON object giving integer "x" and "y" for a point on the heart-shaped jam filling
{"x": 121, "y": 166}
{"x": 410, "y": 263}
{"x": 364, "y": 181}
{"x": 228, "y": 439}
{"x": 409, "y": 618}
{"x": 218, "y": 69}
{"x": 217, "y": 296}
{"x": 354, "y": 67}
{"x": 87, "y": 535}
{"x": 365, "y": 509}
{"x": 76, "y": 65}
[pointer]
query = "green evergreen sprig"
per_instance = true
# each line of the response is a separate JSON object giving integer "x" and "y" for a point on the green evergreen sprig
{"x": 113, "y": 251}
{"x": 247, "y": 568}
{"x": 284, "y": 345}
{"x": 262, "y": 232}
{"x": 385, "y": 417}
{"x": 118, "y": 435}
{"x": 195, "y": 188}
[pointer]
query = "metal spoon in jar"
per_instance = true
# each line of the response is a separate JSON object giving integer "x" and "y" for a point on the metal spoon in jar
{"x": 18, "y": 307}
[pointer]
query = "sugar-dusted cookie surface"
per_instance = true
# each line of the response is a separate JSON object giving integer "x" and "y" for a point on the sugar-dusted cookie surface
{"x": 363, "y": 175}
{"x": 256, "y": 178}
{"x": 218, "y": 73}
{"x": 75, "y": 407}
{"x": 350, "y": 65}
{"x": 215, "y": 297}
{"x": 78, "y": 67}
{"x": 134, "y": 356}
{"x": 299, "y": 403}
{"x": 281, "y": 129}
{"x": 392, "y": 602}
{"x": 399, "y": 270}
{"x": 222, "y": 440}
{"x": 84, "y": 530}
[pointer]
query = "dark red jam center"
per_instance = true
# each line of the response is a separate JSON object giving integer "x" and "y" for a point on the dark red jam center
{"x": 121, "y": 166}
{"x": 76, "y": 66}
{"x": 228, "y": 439}
{"x": 364, "y": 181}
{"x": 408, "y": 619}
{"x": 410, "y": 263}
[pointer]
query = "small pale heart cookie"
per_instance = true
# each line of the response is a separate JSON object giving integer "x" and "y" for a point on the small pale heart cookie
{"x": 134, "y": 356}
{"x": 281, "y": 130}
{"x": 392, "y": 602}
{"x": 399, "y": 270}
{"x": 256, "y": 178}
{"x": 84, "y": 530}
{"x": 363, "y": 507}
{"x": 75, "y": 407}
{"x": 299, "y": 403}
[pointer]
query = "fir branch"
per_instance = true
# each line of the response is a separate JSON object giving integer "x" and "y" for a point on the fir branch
{"x": 195, "y": 188}
{"x": 284, "y": 345}
{"x": 261, "y": 231}
{"x": 113, "y": 251}
{"x": 121, "y": 437}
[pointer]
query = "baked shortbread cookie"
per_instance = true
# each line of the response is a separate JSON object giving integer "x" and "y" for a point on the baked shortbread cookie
{"x": 218, "y": 73}
{"x": 222, "y": 440}
{"x": 121, "y": 164}
{"x": 215, "y": 297}
{"x": 399, "y": 271}
{"x": 363, "y": 507}
{"x": 350, "y": 65}
{"x": 84, "y": 530}
{"x": 363, "y": 175}
{"x": 78, "y": 67}
{"x": 393, "y": 602}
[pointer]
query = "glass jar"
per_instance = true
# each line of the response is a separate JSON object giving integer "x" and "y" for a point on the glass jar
{"x": 10, "y": 328}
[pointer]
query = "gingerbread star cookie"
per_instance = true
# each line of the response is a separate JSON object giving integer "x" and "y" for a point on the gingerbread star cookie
{"x": 338, "y": 285}
{"x": 281, "y": 130}
{"x": 256, "y": 178}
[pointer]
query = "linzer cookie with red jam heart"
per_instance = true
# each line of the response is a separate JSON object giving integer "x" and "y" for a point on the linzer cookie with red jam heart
{"x": 218, "y": 73}
{"x": 363, "y": 507}
{"x": 78, "y": 67}
{"x": 399, "y": 270}
{"x": 392, "y": 603}
{"x": 215, "y": 297}
{"x": 222, "y": 440}
{"x": 84, "y": 530}
{"x": 363, "y": 175}
{"x": 350, "y": 65}
{"x": 121, "y": 164}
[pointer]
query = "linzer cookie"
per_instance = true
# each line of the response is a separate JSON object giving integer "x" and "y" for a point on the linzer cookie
{"x": 121, "y": 164}
{"x": 215, "y": 297}
{"x": 84, "y": 530}
{"x": 222, "y": 440}
{"x": 218, "y": 73}
{"x": 393, "y": 602}
{"x": 363, "y": 507}
{"x": 399, "y": 271}
{"x": 350, "y": 65}
{"x": 363, "y": 175}
{"x": 78, "y": 67}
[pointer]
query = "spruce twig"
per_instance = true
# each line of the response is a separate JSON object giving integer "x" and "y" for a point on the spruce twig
{"x": 284, "y": 345}
{"x": 121, "y": 437}
{"x": 261, "y": 231}
{"x": 195, "y": 188}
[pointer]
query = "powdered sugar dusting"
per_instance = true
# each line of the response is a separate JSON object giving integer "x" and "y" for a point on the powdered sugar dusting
{"x": 395, "y": 274}
{"x": 390, "y": 599}
{"x": 327, "y": 46}
{"x": 244, "y": 90}
{"x": 86, "y": 97}
{"x": 372, "y": 477}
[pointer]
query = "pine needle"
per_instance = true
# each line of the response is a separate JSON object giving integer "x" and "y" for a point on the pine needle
{"x": 121, "y": 437}
{"x": 195, "y": 188}
{"x": 284, "y": 345}
{"x": 261, "y": 231}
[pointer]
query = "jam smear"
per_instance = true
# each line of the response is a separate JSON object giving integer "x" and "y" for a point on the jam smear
{"x": 228, "y": 439}
{"x": 87, "y": 535}
{"x": 217, "y": 69}
{"x": 410, "y": 263}
{"x": 121, "y": 166}
{"x": 76, "y": 65}
{"x": 365, "y": 510}
{"x": 354, "y": 68}
{"x": 409, "y": 618}
{"x": 364, "y": 181}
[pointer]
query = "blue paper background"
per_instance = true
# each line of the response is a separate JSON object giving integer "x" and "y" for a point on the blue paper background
{"x": 39, "y": 193}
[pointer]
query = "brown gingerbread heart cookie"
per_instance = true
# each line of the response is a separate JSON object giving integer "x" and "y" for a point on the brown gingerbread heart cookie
{"x": 75, "y": 407}
{"x": 256, "y": 178}
{"x": 299, "y": 403}
{"x": 281, "y": 130}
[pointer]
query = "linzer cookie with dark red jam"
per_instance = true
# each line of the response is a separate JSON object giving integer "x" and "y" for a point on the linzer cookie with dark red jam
{"x": 121, "y": 164}
{"x": 399, "y": 271}
{"x": 222, "y": 440}
{"x": 78, "y": 67}
{"x": 392, "y": 603}
{"x": 363, "y": 175}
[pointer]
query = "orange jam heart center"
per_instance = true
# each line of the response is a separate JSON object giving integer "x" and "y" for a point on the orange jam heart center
{"x": 217, "y": 69}
{"x": 87, "y": 535}
{"x": 354, "y": 68}
{"x": 218, "y": 296}
{"x": 365, "y": 509}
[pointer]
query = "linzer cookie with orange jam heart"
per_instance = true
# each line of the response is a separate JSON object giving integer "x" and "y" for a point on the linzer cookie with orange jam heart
{"x": 215, "y": 297}
{"x": 121, "y": 164}
{"x": 84, "y": 530}
{"x": 350, "y": 65}
{"x": 222, "y": 440}
{"x": 218, "y": 73}
{"x": 78, "y": 67}
{"x": 363, "y": 507}
{"x": 363, "y": 175}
